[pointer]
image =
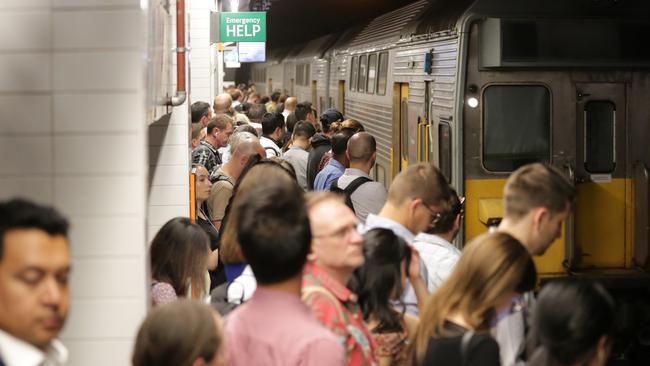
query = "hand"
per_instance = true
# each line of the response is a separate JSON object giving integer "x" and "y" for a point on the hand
{"x": 414, "y": 266}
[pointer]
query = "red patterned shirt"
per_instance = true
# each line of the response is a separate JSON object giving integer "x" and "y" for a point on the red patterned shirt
{"x": 336, "y": 307}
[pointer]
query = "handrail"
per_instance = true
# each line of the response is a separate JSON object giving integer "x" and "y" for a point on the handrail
{"x": 181, "y": 90}
{"x": 642, "y": 215}
{"x": 569, "y": 242}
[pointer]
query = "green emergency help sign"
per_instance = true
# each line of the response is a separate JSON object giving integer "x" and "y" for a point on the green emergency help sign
{"x": 243, "y": 27}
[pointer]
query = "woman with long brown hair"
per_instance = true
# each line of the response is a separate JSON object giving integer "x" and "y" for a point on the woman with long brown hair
{"x": 483, "y": 288}
{"x": 179, "y": 257}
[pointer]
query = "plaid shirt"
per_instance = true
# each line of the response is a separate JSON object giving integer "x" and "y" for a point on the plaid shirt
{"x": 336, "y": 307}
{"x": 206, "y": 155}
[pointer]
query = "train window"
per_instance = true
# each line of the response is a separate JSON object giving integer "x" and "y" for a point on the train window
{"x": 599, "y": 144}
{"x": 372, "y": 73}
{"x": 444, "y": 149}
{"x": 354, "y": 73}
{"x": 516, "y": 126}
{"x": 382, "y": 73}
{"x": 299, "y": 74}
{"x": 363, "y": 69}
{"x": 307, "y": 74}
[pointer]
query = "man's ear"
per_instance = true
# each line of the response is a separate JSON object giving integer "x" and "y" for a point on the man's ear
{"x": 539, "y": 215}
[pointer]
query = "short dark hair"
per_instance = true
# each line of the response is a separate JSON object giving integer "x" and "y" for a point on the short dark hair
{"x": 304, "y": 129}
{"x": 264, "y": 99}
{"x": 275, "y": 96}
{"x": 570, "y": 317}
{"x": 340, "y": 141}
{"x": 302, "y": 110}
{"x": 447, "y": 218}
{"x": 22, "y": 214}
{"x": 271, "y": 121}
{"x": 256, "y": 112}
{"x": 291, "y": 121}
{"x": 200, "y": 110}
{"x": 273, "y": 231}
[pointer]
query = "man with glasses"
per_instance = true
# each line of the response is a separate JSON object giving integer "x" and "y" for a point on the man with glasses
{"x": 336, "y": 251}
{"x": 435, "y": 244}
{"x": 415, "y": 198}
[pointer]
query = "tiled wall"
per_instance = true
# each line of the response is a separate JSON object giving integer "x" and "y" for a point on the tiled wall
{"x": 169, "y": 161}
{"x": 72, "y": 134}
{"x": 201, "y": 68}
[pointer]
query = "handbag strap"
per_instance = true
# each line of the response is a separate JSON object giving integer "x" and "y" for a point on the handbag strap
{"x": 464, "y": 346}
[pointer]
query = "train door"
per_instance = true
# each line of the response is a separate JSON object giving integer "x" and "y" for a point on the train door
{"x": 601, "y": 217}
{"x": 270, "y": 87}
{"x": 400, "y": 154}
{"x": 341, "y": 97}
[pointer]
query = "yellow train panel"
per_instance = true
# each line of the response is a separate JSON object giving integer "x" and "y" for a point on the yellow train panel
{"x": 550, "y": 264}
{"x": 600, "y": 224}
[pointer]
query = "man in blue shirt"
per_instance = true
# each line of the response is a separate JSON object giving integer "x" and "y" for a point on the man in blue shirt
{"x": 339, "y": 162}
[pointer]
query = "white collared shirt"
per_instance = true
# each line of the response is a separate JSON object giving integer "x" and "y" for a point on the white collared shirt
{"x": 439, "y": 255}
{"x": 16, "y": 352}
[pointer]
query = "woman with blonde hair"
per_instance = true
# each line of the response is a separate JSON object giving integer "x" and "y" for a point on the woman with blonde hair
{"x": 483, "y": 288}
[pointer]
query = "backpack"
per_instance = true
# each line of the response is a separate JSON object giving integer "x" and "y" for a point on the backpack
{"x": 349, "y": 189}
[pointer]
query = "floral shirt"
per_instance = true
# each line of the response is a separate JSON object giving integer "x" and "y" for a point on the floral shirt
{"x": 393, "y": 345}
{"x": 336, "y": 307}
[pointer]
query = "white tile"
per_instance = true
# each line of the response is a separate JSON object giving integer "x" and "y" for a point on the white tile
{"x": 169, "y": 195}
{"x": 159, "y": 215}
{"x": 97, "y": 29}
{"x": 107, "y": 236}
{"x": 151, "y": 233}
{"x": 98, "y": 154}
{"x": 94, "y": 3}
{"x": 26, "y": 114}
{"x": 24, "y": 4}
{"x": 98, "y": 71}
{"x": 25, "y": 72}
{"x": 25, "y": 30}
{"x": 169, "y": 155}
{"x": 34, "y": 188}
{"x": 119, "y": 278}
{"x": 98, "y": 112}
{"x": 170, "y": 175}
{"x": 97, "y": 319}
{"x": 201, "y": 82}
{"x": 100, "y": 352}
{"x": 99, "y": 195}
{"x": 181, "y": 114}
{"x": 26, "y": 155}
{"x": 169, "y": 135}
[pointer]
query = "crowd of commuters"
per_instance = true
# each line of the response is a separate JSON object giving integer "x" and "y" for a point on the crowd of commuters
{"x": 306, "y": 260}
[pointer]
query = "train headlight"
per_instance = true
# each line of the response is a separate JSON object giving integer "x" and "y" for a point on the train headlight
{"x": 472, "y": 102}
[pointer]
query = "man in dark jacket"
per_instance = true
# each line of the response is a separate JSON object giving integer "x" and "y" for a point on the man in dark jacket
{"x": 320, "y": 144}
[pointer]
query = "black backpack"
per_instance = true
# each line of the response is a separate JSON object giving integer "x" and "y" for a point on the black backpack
{"x": 349, "y": 189}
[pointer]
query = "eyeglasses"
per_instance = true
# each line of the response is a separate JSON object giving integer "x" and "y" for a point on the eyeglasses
{"x": 436, "y": 216}
{"x": 342, "y": 233}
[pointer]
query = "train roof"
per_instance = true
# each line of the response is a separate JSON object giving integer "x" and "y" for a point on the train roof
{"x": 386, "y": 29}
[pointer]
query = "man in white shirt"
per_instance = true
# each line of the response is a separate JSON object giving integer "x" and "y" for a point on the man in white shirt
{"x": 34, "y": 291}
{"x": 435, "y": 245}
{"x": 289, "y": 107}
